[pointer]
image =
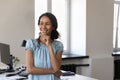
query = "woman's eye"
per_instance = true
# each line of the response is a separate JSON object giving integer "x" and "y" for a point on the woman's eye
{"x": 48, "y": 24}
{"x": 45, "y": 23}
{"x": 41, "y": 23}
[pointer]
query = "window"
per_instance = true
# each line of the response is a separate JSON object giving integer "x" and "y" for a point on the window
{"x": 59, "y": 11}
{"x": 61, "y": 14}
{"x": 40, "y": 7}
{"x": 71, "y": 16}
{"x": 78, "y": 27}
{"x": 116, "y": 27}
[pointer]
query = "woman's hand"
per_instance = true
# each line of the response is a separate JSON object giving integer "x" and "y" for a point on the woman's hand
{"x": 58, "y": 73}
{"x": 46, "y": 39}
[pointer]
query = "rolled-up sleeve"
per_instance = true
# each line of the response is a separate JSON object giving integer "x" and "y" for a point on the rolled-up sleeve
{"x": 59, "y": 47}
{"x": 29, "y": 45}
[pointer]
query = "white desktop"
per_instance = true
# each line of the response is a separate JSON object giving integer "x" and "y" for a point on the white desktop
{"x": 69, "y": 77}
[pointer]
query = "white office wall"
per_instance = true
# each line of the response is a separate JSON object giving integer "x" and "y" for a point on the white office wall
{"x": 102, "y": 68}
{"x": 99, "y": 38}
{"x": 99, "y": 27}
{"x": 16, "y": 24}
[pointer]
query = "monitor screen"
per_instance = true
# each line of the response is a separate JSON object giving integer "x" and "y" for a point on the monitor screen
{"x": 5, "y": 53}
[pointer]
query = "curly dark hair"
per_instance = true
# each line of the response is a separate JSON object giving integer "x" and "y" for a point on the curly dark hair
{"x": 54, "y": 33}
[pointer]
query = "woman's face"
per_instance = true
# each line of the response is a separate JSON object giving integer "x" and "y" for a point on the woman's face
{"x": 45, "y": 26}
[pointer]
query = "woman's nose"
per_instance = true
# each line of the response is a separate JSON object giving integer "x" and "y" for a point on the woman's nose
{"x": 44, "y": 25}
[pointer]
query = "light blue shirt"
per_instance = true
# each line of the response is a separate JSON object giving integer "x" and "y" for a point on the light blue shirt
{"x": 42, "y": 57}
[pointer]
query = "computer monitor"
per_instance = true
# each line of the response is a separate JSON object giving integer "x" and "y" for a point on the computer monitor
{"x": 6, "y": 58}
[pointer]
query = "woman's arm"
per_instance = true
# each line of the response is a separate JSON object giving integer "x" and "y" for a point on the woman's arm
{"x": 31, "y": 69}
{"x": 59, "y": 58}
{"x": 54, "y": 58}
{"x": 56, "y": 61}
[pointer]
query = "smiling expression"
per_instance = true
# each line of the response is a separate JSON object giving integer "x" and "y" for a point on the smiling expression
{"x": 45, "y": 26}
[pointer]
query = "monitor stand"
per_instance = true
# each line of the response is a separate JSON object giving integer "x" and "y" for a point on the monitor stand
{"x": 10, "y": 66}
{"x": 10, "y": 69}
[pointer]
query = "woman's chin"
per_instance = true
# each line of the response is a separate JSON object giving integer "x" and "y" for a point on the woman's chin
{"x": 45, "y": 34}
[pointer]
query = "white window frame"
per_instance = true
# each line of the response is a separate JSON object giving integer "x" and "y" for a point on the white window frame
{"x": 116, "y": 28}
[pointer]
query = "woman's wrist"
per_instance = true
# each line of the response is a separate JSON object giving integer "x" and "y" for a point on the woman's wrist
{"x": 53, "y": 71}
{"x": 49, "y": 46}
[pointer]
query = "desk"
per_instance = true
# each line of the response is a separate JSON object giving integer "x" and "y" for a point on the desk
{"x": 72, "y": 56}
{"x": 2, "y": 77}
{"x": 74, "y": 77}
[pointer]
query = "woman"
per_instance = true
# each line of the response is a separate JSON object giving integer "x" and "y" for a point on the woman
{"x": 43, "y": 55}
